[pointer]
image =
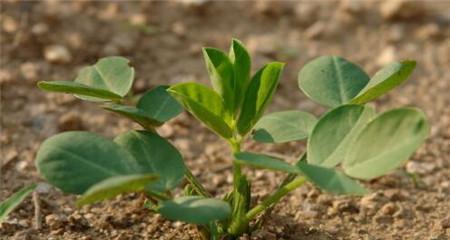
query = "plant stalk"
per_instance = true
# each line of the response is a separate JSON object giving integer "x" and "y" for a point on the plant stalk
{"x": 240, "y": 196}
{"x": 275, "y": 197}
{"x": 196, "y": 185}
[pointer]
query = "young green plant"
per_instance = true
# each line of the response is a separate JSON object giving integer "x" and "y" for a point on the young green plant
{"x": 367, "y": 144}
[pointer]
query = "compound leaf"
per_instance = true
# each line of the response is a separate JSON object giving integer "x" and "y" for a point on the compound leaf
{"x": 108, "y": 79}
{"x": 114, "y": 186}
{"x": 240, "y": 58}
{"x": 77, "y": 88}
{"x": 384, "y": 80}
{"x": 154, "y": 155}
{"x": 74, "y": 161}
{"x": 334, "y": 133}
{"x": 264, "y": 161}
{"x": 133, "y": 113}
{"x": 331, "y": 81}
{"x": 205, "y": 104}
{"x": 159, "y": 104}
{"x": 221, "y": 74}
{"x": 110, "y": 73}
{"x": 153, "y": 109}
{"x": 330, "y": 180}
{"x": 284, "y": 126}
{"x": 258, "y": 95}
{"x": 195, "y": 209}
{"x": 386, "y": 142}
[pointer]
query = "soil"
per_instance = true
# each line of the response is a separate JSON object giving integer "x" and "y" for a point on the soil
{"x": 51, "y": 40}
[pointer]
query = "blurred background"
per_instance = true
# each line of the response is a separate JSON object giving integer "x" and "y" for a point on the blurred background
{"x": 52, "y": 40}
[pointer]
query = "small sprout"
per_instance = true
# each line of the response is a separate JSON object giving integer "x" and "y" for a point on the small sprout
{"x": 9, "y": 204}
{"x": 364, "y": 144}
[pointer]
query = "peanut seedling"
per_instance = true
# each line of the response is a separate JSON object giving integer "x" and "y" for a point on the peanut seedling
{"x": 366, "y": 144}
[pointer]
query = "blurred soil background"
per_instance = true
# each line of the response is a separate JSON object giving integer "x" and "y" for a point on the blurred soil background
{"x": 52, "y": 40}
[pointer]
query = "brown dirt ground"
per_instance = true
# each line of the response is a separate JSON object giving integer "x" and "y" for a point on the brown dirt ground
{"x": 163, "y": 41}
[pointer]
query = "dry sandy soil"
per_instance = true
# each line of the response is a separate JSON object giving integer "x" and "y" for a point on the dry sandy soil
{"x": 52, "y": 40}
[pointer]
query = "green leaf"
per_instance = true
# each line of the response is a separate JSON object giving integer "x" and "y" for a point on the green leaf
{"x": 113, "y": 186}
{"x": 384, "y": 80}
{"x": 265, "y": 162}
{"x": 74, "y": 161}
{"x": 109, "y": 79}
{"x": 334, "y": 134}
{"x": 221, "y": 74}
{"x": 9, "y": 204}
{"x": 325, "y": 178}
{"x": 386, "y": 142}
{"x": 284, "y": 126}
{"x": 241, "y": 61}
{"x": 156, "y": 155}
{"x": 258, "y": 95}
{"x": 195, "y": 209}
{"x": 110, "y": 73}
{"x": 330, "y": 180}
{"x": 205, "y": 104}
{"x": 159, "y": 104}
{"x": 331, "y": 80}
{"x": 77, "y": 88}
{"x": 152, "y": 110}
{"x": 133, "y": 113}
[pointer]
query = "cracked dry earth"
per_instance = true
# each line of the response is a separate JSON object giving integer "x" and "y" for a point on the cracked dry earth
{"x": 51, "y": 40}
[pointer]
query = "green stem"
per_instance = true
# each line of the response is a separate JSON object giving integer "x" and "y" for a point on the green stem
{"x": 196, "y": 185}
{"x": 236, "y": 148}
{"x": 159, "y": 196}
{"x": 275, "y": 197}
{"x": 240, "y": 198}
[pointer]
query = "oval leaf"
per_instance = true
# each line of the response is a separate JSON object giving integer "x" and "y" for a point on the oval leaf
{"x": 77, "y": 88}
{"x": 154, "y": 155}
{"x": 110, "y": 73}
{"x": 241, "y": 61}
{"x": 114, "y": 186}
{"x": 384, "y": 80}
{"x": 334, "y": 134}
{"x": 331, "y": 80}
{"x": 330, "y": 180}
{"x": 221, "y": 74}
{"x": 386, "y": 142}
{"x": 195, "y": 209}
{"x": 74, "y": 161}
{"x": 158, "y": 104}
{"x": 284, "y": 126}
{"x": 133, "y": 113}
{"x": 205, "y": 104}
{"x": 264, "y": 161}
{"x": 9, "y": 204}
{"x": 258, "y": 95}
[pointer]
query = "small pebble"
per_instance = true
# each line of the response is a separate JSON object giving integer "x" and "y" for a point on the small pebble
{"x": 57, "y": 54}
{"x": 419, "y": 167}
{"x": 401, "y": 9}
{"x": 306, "y": 12}
{"x": 445, "y": 223}
{"x": 39, "y": 29}
{"x": 29, "y": 71}
{"x": 387, "y": 55}
{"x": 316, "y": 30}
{"x": 9, "y": 24}
{"x": 428, "y": 31}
